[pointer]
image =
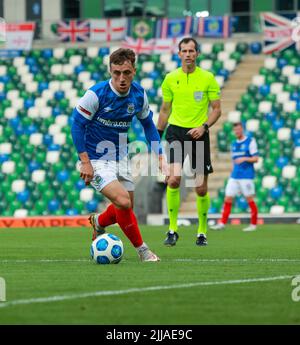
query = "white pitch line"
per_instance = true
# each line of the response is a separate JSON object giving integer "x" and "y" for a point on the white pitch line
{"x": 137, "y": 290}
{"x": 221, "y": 260}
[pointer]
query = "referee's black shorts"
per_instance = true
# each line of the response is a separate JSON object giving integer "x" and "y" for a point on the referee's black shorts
{"x": 181, "y": 144}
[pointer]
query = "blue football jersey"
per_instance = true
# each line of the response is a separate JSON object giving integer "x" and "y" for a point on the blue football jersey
{"x": 243, "y": 148}
{"x": 108, "y": 115}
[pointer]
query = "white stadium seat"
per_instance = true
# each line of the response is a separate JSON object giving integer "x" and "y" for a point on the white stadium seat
{"x": 106, "y": 60}
{"x": 277, "y": 210}
{"x": 88, "y": 83}
{"x": 75, "y": 60}
{"x": 220, "y": 80}
{"x": 206, "y": 64}
{"x": 276, "y": 88}
{"x": 69, "y": 94}
{"x": 258, "y": 80}
{"x": 68, "y": 69}
{"x": 84, "y": 76}
{"x": 288, "y": 70}
{"x": 92, "y": 52}
{"x": 234, "y": 116}
{"x": 171, "y": 66}
{"x": 289, "y": 106}
{"x": 40, "y": 102}
{"x": 206, "y": 48}
{"x": 66, "y": 85}
{"x": 21, "y": 213}
{"x": 283, "y": 97}
{"x": 12, "y": 94}
{"x": 270, "y": 63}
{"x": 18, "y": 186}
{"x": 230, "y": 47}
{"x": 58, "y": 53}
{"x": 52, "y": 157}
{"x": 294, "y": 79}
{"x": 38, "y": 176}
{"x": 269, "y": 182}
{"x": 31, "y": 86}
{"x": 223, "y": 56}
{"x": 147, "y": 83}
{"x": 18, "y": 103}
{"x": 165, "y": 57}
{"x": 47, "y": 94}
{"x": 297, "y": 125}
{"x": 26, "y": 78}
{"x": 61, "y": 120}
{"x": 73, "y": 101}
{"x": 10, "y": 113}
{"x": 19, "y": 61}
{"x": 265, "y": 107}
{"x": 54, "y": 85}
{"x": 8, "y": 167}
{"x": 5, "y": 148}
{"x": 252, "y": 125}
{"x": 1, "y": 86}
{"x": 148, "y": 66}
{"x": 289, "y": 171}
{"x": 56, "y": 69}
{"x": 59, "y": 139}
{"x": 296, "y": 153}
{"x": 23, "y": 70}
{"x": 33, "y": 112}
{"x": 54, "y": 129}
{"x": 230, "y": 65}
{"x": 284, "y": 134}
{"x": 86, "y": 194}
{"x": 36, "y": 139}
{"x": 45, "y": 112}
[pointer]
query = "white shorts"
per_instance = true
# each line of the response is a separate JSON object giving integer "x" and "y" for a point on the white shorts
{"x": 235, "y": 187}
{"x": 107, "y": 171}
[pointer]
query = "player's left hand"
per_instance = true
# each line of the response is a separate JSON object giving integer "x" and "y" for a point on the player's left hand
{"x": 240, "y": 160}
{"x": 164, "y": 167}
{"x": 196, "y": 133}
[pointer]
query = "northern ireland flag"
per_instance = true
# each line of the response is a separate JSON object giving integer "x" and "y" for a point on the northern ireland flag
{"x": 106, "y": 30}
{"x": 279, "y": 32}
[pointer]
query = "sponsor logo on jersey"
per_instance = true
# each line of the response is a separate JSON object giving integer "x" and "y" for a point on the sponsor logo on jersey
{"x": 198, "y": 95}
{"x": 118, "y": 124}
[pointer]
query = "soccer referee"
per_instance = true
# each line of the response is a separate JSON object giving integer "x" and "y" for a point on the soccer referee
{"x": 187, "y": 94}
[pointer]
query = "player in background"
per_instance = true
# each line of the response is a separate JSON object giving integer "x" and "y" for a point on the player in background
{"x": 101, "y": 121}
{"x": 244, "y": 155}
{"x": 188, "y": 92}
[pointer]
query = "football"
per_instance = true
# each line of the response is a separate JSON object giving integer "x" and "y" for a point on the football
{"x": 107, "y": 249}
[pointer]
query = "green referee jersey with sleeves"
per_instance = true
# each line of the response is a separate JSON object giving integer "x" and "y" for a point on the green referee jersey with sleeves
{"x": 190, "y": 94}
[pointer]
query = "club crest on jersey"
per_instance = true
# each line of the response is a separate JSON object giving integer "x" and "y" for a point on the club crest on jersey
{"x": 130, "y": 108}
{"x": 198, "y": 95}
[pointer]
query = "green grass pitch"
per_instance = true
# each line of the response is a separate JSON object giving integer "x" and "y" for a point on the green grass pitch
{"x": 239, "y": 278}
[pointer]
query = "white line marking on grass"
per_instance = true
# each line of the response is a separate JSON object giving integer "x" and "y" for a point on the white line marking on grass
{"x": 137, "y": 290}
{"x": 221, "y": 260}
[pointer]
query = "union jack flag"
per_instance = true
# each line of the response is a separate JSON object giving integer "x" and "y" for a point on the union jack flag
{"x": 73, "y": 30}
{"x": 278, "y": 32}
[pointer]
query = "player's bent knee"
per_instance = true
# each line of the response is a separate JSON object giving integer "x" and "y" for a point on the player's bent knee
{"x": 123, "y": 202}
{"x": 173, "y": 182}
{"x": 201, "y": 191}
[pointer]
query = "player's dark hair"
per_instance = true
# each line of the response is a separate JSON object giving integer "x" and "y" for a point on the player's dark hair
{"x": 237, "y": 124}
{"x": 121, "y": 55}
{"x": 186, "y": 40}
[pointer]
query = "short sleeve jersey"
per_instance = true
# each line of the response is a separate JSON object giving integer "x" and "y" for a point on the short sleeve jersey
{"x": 190, "y": 94}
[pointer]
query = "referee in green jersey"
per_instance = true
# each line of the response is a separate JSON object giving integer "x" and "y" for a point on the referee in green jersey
{"x": 187, "y": 94}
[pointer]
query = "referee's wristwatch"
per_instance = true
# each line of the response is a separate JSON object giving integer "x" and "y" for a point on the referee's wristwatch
{"x": 206, "y": 127}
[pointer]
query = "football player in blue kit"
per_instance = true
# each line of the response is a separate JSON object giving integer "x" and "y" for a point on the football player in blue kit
{"x": 102, "y": 118}
{"x": 244, "y": 155}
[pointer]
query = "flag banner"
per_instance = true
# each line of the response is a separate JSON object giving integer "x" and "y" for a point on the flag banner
{"x": 19, "y": 36}
{"x": 73, "y": 30}
{"x": 152, "y": 46}
{"x": 139, "y": 45}
{"x": 279, "y": 32}
{"x": 107, "y": 30}
{"x": 166, "y": 45}
{"x": 213, "y": 26}
{"x": 176, "y": 27}
{"x": 141, "y": 28}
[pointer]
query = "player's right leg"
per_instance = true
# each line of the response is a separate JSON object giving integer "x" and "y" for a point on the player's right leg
{"x": 231, "y": 190}
{"x": 126, "y": 219}
{"x": 173, "y": 203}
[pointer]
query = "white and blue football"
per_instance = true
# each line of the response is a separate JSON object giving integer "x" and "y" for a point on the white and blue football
{"x": 107, "y": 249}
